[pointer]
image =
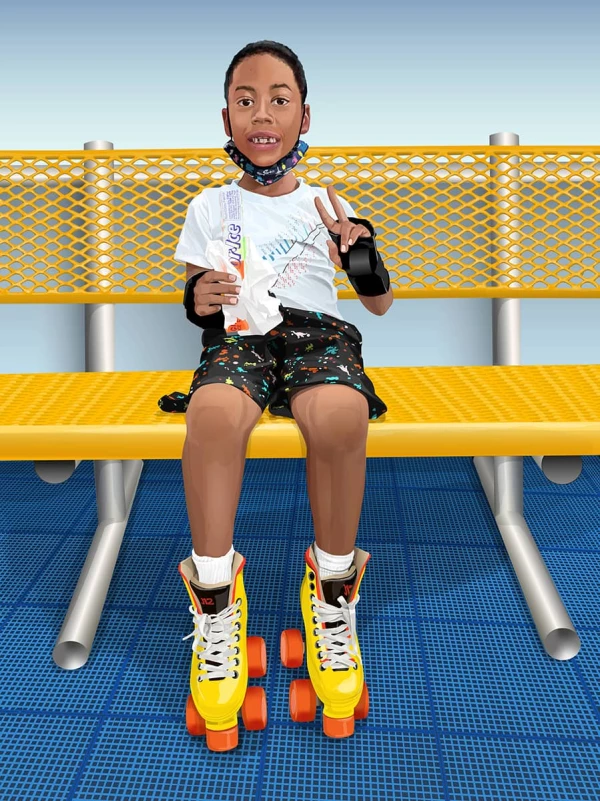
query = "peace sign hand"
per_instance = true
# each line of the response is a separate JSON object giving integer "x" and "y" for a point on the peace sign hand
{"x": 348, "y": 231}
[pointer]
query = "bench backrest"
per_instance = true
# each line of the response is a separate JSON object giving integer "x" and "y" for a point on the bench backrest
{"x": 101, "y": 226}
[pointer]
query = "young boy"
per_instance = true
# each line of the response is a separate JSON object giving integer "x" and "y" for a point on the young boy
{"x": 308, "y": 367}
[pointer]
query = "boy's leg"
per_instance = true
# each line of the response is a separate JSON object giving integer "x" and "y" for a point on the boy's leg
{"x": 333, "y": 420}
{"x": 325, "y": 389}
{"x": 229, "y": 392}
{"x": 220, "y": 419}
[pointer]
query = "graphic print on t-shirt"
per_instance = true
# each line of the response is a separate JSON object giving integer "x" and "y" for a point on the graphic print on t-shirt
{"x": 297, "y": 243}
{"x": 287, "y": 230}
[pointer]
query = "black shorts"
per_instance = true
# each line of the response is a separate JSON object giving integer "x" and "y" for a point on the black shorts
{"x": 305, "y": 349}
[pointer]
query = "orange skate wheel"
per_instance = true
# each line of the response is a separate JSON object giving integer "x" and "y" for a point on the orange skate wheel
{"x": 292, "y": 648}
{"x": 193, "y": 719}
{"x": 362, "y": 708}
{"x": 257, "y": 657}
{"x": 222, "y": 740}
{"x": 254, "y": 709}
{"x": 338, "y": 727}
{"x": 303, "y": 701}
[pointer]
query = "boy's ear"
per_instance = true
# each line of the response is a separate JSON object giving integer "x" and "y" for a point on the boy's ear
{"x": 224, "y": 115}
{"x": 305, "y": 120}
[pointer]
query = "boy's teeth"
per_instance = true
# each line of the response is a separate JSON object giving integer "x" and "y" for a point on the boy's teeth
{"x": 263, "y": 141}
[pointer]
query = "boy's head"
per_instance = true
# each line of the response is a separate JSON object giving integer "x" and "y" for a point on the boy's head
{"x": 254, "y": 105}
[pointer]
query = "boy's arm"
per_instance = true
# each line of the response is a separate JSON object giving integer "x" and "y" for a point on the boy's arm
{"x": 208, "y": 321}
{"x": 192, "y": 269}
{"x": 193, "y": 240}
{"x": 377, "y": 304}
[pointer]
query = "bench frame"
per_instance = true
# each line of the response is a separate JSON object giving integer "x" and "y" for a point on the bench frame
{"x": 502, "y": 480}
{"x": 117, "y": 480}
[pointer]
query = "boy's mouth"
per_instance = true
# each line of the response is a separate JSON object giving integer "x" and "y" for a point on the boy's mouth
{"x": 263, "y": 140}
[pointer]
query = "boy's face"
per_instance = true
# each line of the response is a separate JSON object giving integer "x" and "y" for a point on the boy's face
{"x": 259, "y": 107}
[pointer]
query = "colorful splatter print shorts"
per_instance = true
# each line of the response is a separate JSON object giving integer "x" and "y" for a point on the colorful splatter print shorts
{"x": 305, "y": 349}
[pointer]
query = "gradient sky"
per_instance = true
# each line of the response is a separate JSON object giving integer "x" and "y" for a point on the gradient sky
{"x": 433, "y": 72}
{"x": 427, "y": 72}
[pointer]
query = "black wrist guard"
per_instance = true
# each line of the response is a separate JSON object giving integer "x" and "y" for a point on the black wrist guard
{"x": 213, "y": 321}
{"x": 363, "y": 264}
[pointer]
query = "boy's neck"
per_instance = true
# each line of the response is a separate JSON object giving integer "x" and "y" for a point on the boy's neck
{"x": 284, "y": 186}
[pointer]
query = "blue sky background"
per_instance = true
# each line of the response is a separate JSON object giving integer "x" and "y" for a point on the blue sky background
{"x": 409, "y": 73}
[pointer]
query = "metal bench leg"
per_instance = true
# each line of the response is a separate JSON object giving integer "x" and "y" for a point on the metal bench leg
{"x": 560, "y": 469}
{"x": 116, "y": 485}
{"x": 502, "y": 481}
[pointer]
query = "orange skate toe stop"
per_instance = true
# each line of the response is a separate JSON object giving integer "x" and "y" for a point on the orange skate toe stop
{"x": 222, "y": 740}
{"x": 338, "y": 727}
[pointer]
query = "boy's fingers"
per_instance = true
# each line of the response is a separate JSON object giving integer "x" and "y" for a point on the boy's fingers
{"x": 216, "y": 299}
{"x": 337, "y": 206}
{"x": 225, "y": 287}
{"x": 351, "y": 235}
{"x": 204, "y": 311}
{"x": 214, "y": 275}
{"x": 333, "y": 253}
{"x": 347, "y": 229}
{"x": 325, "y": 216}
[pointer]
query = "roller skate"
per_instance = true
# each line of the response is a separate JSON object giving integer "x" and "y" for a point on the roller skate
{"x": 333, "y": 654}
{"x": 223, "y": 659}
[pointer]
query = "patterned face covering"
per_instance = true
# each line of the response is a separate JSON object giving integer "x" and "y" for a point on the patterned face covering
{"x": 273, "y": 173}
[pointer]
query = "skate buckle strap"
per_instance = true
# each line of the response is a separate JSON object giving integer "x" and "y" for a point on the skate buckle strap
{"x": 338, "y": 641}
{"x": 216, "y": 631}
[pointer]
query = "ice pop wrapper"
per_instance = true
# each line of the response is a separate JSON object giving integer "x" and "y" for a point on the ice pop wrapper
{"x": 256, "y": 312}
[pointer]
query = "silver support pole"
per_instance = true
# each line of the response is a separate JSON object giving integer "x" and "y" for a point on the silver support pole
{"x": 116, "y": 484}
{"x": 502, "y": 480}
{"x": 560, "y": 469}
{"x": 99, "y": 337}
{"x": 54, "y": 471}
{"x": 506, "y": 321}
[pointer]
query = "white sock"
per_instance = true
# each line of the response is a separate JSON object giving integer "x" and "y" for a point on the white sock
{"x": 214, "y": 570}
{"x": 330, "y": 564}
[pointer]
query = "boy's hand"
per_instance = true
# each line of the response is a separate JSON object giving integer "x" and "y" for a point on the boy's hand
{"x": 209, "y": 290}
{"x": 348, "y": 231}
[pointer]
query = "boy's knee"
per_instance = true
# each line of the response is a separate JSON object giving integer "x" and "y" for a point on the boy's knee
{"x": 220, "y": 412}
{"x": 336, "y": 419}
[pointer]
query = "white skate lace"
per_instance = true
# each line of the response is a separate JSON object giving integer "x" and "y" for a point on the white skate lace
{"x": 218, "y": 632}
{"x": 339, "y": 641}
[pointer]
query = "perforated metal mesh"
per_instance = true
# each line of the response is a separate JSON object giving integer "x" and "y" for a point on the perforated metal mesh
{"x": 464, "y": 702}
{"x": 102, "y": 225}
{"x": 432, "y": 411}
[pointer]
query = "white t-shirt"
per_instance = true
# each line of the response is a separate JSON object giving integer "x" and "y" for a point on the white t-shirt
{"x": 287, "y": 230}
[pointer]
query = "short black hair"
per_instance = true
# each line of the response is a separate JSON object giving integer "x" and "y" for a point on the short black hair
{"x": 276, "y": 49}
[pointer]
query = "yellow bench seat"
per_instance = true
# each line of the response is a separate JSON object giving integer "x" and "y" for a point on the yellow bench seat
{"x": 432, "y": 411}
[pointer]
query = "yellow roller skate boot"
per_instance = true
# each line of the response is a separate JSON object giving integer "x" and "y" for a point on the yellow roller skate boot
{"x": 222, "y": 660}
{"x": 333, "y": 654}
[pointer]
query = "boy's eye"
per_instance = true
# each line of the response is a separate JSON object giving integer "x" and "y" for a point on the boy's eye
{"x": 248, "y": 99}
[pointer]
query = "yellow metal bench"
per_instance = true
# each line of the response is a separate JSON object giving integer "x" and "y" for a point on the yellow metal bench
{"x": 125, "y": 211}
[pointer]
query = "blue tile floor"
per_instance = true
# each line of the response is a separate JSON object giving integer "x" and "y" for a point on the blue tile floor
{"x": 465, "y": 703}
